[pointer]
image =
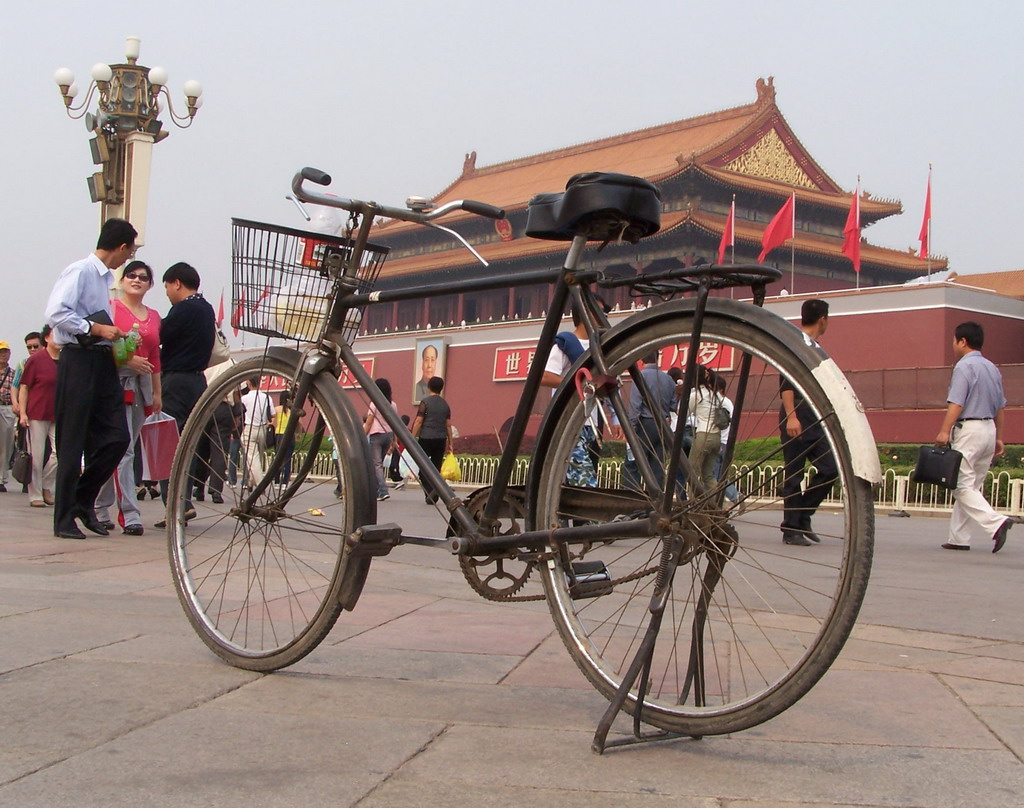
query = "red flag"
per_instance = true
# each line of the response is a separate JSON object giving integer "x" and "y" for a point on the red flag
{"x": 728, "y": 235}
{"x": 926, "y": 224}
{"x": 220, "y": 310}
{"x": 851, "y": 233}
{"x": 779, "y": 229}
{"x": 236, "y": 318}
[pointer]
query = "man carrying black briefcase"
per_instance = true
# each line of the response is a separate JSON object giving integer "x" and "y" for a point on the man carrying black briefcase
{"x": 973, "y": 426}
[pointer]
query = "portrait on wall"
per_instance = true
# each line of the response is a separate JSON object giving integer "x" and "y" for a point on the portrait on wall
{"x": 428, "y": 361}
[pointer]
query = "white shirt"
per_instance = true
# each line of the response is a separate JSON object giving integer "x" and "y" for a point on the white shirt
{"x": 81, "y": 289}
{"x": 257, "y": 406}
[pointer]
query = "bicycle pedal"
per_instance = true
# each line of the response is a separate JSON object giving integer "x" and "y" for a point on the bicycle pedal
{"x": 373, "y": 540}
{"x": 592, "y": 580}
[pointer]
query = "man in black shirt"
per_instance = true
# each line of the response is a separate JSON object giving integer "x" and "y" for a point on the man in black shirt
{"x": 186, "y": 342}
{"x": 803, "y": 441}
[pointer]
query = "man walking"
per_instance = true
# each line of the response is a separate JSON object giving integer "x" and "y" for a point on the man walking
{"x": 803, "y": 441}
{"x": 973, "y": 425}
{"x": 186, "y": 342}
{"x": 89, "y": 406}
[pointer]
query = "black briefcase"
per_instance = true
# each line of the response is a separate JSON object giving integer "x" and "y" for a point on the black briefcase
{"x": 938, "y": 465}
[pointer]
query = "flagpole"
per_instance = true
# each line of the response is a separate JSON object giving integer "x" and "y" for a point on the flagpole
{"x": 732, "y": 239}
{"x": 857, "y": 201}
{"x": 792, "y": 251}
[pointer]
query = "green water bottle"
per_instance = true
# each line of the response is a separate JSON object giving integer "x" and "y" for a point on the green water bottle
{"x": 133, "y": 341}
{"x": 120, "y": 352}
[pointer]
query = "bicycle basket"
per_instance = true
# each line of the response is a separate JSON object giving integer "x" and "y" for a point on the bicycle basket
{"x": 280, "y": 285}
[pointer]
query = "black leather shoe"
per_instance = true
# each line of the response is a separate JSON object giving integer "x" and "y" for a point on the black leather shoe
{"x": 108, "y": 525}
{"x": 948, "y": 546}
{"x": 70, "y": 533}
{"x": 795, "y": 538}
{"x": 133, "y": 530}
{"x": 217, "y": 499}
{"x": 1000, "y": 536}
{"x": 812, "y": 535}
{"x": 88, "y": 518}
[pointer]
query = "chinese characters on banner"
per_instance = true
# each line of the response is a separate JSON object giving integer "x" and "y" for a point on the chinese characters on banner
{"x": 512, "y": 364}
{"x": 347, "y": 380}
{"x": 711, "y": 354}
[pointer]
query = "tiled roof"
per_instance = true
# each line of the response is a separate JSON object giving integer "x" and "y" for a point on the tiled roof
{"x": 1009, "y": 283}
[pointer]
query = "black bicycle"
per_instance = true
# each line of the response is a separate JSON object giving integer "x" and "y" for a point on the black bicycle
{"x": 683, "y": 608}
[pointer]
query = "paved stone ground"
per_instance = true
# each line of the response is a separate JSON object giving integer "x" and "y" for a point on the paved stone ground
{"x": 426, "y": 695}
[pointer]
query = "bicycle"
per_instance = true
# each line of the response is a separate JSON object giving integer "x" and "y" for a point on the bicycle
{"x": 655, "y": 586}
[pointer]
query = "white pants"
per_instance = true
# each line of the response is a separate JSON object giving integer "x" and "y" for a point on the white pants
{"x": 7, "y": 424}
{"x": 972, "y": 516}
{"x": 254, "y": 444}
{"x": 43, "y": 476}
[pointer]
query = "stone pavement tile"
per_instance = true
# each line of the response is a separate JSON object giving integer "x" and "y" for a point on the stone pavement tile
{"x": 1008, "y": 725}
{"x": 896, "y": 656}
{"x": 410, "y": 792}
{"x": 473, "y": 627}
{"x": 378, "y": 607}
{"x": 93, "y": 585}
{"x": 389, "y": 663}
{"x": 549, "y": 666}
{"x": 212, "y": 758}
{"x": 736, "y": 768}
{"x": 911, "y": 638}
{"x": 63, "y": 708}
{"x": 993, "y": 670}
{"x": 181, "y": 647}
{"x": 448, "y": 703}
{"x": 45, "y": 634}
{"x": 976, "y": 692}
{"x": 894, "y": 708}
{"x": 1002, "y": 650}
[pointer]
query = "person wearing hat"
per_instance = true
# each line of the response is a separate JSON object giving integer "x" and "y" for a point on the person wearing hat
{"x": 89, "y": 411}
{"x": 7, "y": 419}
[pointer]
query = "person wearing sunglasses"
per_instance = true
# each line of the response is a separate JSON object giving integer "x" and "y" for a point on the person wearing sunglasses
{"x": 140, "y": 379}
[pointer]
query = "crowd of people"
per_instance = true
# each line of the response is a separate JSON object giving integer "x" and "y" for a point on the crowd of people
{"x": 80, "y": 413}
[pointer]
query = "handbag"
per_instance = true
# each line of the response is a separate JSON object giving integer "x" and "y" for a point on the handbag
{"x": 270, "y": 441}
{"x": 721, "y": 418}
{"x": 21, "y": 468}
{"x": 221, "y": 352}
{"x": 937, "y": 465}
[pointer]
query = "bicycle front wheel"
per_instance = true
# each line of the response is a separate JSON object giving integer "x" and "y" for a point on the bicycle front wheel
{"x": 750, "y": 623}
{"x": 260, "y": 580}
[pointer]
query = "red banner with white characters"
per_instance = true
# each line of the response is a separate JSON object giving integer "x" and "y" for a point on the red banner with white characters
{"x": 712, "y": 354}
{"x": 348, "y": 381}
{"x": 512, "y": 364}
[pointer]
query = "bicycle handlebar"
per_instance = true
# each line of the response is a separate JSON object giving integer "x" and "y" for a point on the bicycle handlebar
{"x": 374, "y": 209}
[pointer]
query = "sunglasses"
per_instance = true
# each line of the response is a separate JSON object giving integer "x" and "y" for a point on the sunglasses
{"x": 138, "y": 276}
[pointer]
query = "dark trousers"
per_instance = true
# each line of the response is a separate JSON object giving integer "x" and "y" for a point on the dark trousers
{"x": 809, "y": 447}
{"x": 89, "y": 421}
{"x": 434, "y": 447}
{"x": 180, "y": 392}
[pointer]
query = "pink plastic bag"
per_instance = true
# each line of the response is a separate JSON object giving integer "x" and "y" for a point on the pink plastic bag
{"x": 159, "y": 439}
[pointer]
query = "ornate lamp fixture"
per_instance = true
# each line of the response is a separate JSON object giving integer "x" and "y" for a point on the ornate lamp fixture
{"x": 126, "y": 125}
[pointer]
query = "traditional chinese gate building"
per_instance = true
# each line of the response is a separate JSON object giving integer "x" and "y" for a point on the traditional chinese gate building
{"x": 894, "y": 341}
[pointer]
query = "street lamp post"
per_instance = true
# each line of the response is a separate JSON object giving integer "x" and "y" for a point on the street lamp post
{"x": 126, "y": 127}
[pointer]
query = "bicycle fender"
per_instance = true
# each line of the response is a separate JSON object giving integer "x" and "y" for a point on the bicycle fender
{"x": 848, "y": 408}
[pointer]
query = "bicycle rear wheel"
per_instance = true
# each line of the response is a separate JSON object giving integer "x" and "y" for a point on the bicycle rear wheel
{"x": 260, "y": 584}
{"x": 751, "y": 623}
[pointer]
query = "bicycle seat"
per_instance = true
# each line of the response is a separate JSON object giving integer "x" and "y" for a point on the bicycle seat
{"x": 600, "y": 205}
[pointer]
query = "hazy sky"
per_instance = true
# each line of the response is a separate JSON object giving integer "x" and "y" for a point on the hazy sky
{"x": 389, "y": 97}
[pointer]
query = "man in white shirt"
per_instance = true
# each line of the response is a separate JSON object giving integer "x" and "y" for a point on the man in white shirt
{"x": 89, "y": 411}
{"x": 259, "y": 410}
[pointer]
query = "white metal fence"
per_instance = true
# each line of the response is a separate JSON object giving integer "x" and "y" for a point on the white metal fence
{"x": 896, "y": 493}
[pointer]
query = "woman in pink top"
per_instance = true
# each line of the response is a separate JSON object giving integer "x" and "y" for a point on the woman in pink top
{"x": 141, "y": 381}
{"x": 380, "y": 436}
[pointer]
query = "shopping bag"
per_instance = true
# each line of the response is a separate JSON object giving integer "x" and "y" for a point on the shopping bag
{"x": 159, "y": 439}
{"x": 938, "y": 465}
{"x": 450, "y": 468}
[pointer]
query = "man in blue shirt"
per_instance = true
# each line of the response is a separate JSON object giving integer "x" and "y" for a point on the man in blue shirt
{"x": 90, "y": 402}
{"x": 653, "y": 425}
{"x": 973, "y": 426}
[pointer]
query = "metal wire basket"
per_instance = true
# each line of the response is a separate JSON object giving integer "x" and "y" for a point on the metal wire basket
{"x": 281, "y": 285}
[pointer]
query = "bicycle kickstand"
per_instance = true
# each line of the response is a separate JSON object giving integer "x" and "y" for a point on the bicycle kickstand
{"x": 640, "y": 667}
